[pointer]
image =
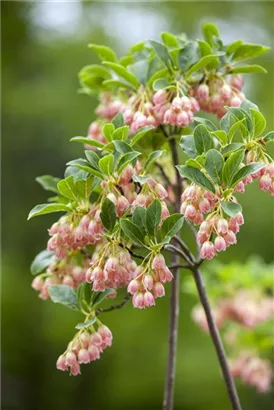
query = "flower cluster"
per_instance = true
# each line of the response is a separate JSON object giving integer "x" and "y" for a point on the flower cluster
{"x": 151, "y": 190}
{"x": 266, "y": 178}
{"x": 177, "y": 111}
{"x": 109, "y": 106}
{"x": 214, "y": 95}
{"x": 112, "y": 267}
{"x": 68, "y": 234}
{"x": 147, "y": 284}
{"x": 65, "y": 272}
{"x": 196, "y": 202}
{"x": 84, "y": 348}
{"x": 253, "y": 370}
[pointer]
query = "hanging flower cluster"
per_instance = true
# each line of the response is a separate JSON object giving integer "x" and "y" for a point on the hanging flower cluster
{"x": 121, "y": 201}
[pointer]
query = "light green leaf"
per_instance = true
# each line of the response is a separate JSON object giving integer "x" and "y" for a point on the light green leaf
{"x": 103, "y": 52}
{"x": 108, "y": 130}
{"x": 214, "y": 165}
{"x": 110, "y": 84}
{"x": 65, "y": 295}
{"x": 121, "y": 133}
{"x": 108, "y": 214}
{"x": 87, "y": 141}
{"x": 85, "y": 166}
{"x": 231, "y": 208}
{"x": 169, "y": 39}
{"x": 269, "y": 137}
{"x": 87, "y": 324}
{"x": 247, "y": 69}
{"x": 221, "y": 136}
{"x": 140, "y": 134}
{"x": 161, "y": 84}
{"x": 48, "y": 182}
{"x": 203, "y": 62}
{"x": 196, "y": 176}
{"x": 67, "y": 188}
{"x": 188, "y": 145}
{"x": 247, "y": 51}
{"x": 84, "y": 187}
{"x": 123, "y": 72}
{"x": 210, "y": 31}
{"x": 152, "y": 157}
{"x": 48, "y": 209}
{"x": 258, "y": 121}
{"x": 42, "y": 261}
{"x": 106, "y": 164}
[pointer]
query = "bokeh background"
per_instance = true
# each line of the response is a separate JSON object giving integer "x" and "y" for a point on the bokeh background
{"x": 43, "y": 48}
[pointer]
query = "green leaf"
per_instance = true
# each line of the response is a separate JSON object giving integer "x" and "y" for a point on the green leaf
{"x": 101, "y": 296}
{"x": 171, "y": 225}
{"x": 210, "y": 31}
{"x": 245, "y": 171}
{"x": 42, "y": 261}
{"x": 196, "y": 176}
{"x": 139, "y": 218}
{"x": 48, "y": 182}
{"x": 67, "y": 188}
{"x": 232, "y": 47}
{"x": 231, "y": 208}
{"x": 203, "y": 139}
{"x": 103, "y": 52}
{"x": 121, "y": 133}
{"x": 43, "y": 209}
{"x": 157, "y": 74}
{"x": 258, "y": 121}
{"x": 110, "y": 84}
{"x": 65, "y": 295}
{"x": 203, "y": 62}
{"x": 188, "y": 55}
{"x": 153, "y": 217}
{"x": 237, "y": 125}
{"x": 234, "y": 146}
{"x": 247, "y": 69}
{"x": 140, "y": 134}
{"x": 162, "y": 52}
{"x": 123, "y": 72}
{"x": 87, "y": 141}
{"x": 108, "y": 130}
{"x": 152, "y": 157}
{"x": 94, "y": 70}
{"x": 140, "y": 179}
{"x": 204, "y": 47}
{"x": 247, "y": 51}
{"x": 106, "y": 164}
{"x": 132, "y": 231}
{"x": 169, "y": 39}
{"x": 84, "y": 187}
{"x": 209, "y": 124}
{"x": 127, "y": 159}
{"x": 231, "y": 166}
{"x": 214, "y": 165}
{"x": 93, "y": 159}
{"x": 118, "y": 120}
{"x": 108, "y": 214}
{"x": 269, "y": 137}
{"x": 221, "y": 136}
{"x": 84, "y": 166}
{"x": 87, "y": 324}
{"x": 122, "y": 147}
{"x": 188, "y": 145}
{"x": 160, "y": 84}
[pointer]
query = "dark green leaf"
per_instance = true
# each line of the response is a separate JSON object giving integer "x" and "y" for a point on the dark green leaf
{"x": 234, "y": 146}
{"x": 269, "y": 137}
{"x": 132, "y": 231}
{"x": 258, "y": 121}
{"x": 214, "y": 164}
{"x": 42, "y": 261}
{"x": 93, "y": 159}
{"x": 127, "y": 159}
{"x": 171, "y": 225}
{"x": 205, "y": 121}
{"x": 108, "y": 214}
{"x": 195, "y": 175}
{"x": 48, "y": 209}
{"x": 160, "y": 84}
{"x": 65, "y": 295}
{"x": 221, "y": 136}
{"x": 245, "y": 171}
{"x": 101, "y": 296}
{"x": 231, "y": 166}
{"x": 188, "y": 145}
{"x": 162, "y": 52}
{"x": 48, "y": 182}
{"x": 231, "y": 208}
{"x": 139, "y": 218}
{"x": 118, "y": 120}
{"x": 188, "y": 55}
{"x": 122, "y": 147}
{"x": 153, "y": 217}
{"x": 203, "y": 139}
{"x": 203, "y": 62}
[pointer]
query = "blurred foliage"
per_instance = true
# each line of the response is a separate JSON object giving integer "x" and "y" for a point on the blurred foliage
{"x": 40, "y": 112}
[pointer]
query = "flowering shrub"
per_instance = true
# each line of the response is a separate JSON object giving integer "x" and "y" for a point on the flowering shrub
{"x": 153, "y": 159}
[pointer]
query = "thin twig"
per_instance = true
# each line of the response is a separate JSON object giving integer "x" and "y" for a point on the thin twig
{"x": 135, "y": 255}
{"x": 184, "y": 248}
{"x": 179, "y": 266}
{"x": 215, "y": 336}
{"x": 166, "y": 178}
{"x": 178, "y": 252}
{"x": 118, "y": 306}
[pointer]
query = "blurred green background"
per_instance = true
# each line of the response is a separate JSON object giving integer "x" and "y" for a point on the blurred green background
{"x": 43, "y": 48}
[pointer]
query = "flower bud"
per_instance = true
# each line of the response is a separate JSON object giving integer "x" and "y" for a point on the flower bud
{"x": 158, "y": 290}
{"x": 148, "y": 299}
{"x": 83, "y": 356}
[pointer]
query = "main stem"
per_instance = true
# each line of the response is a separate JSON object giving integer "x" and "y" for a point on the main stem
{"x": 215, "y": 336}
{"x": 174, "y": 302}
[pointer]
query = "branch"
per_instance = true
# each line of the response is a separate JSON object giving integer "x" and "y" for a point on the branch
{"x": 179, "y": 266}
{"x": 135, "y": 255}
{"x": 118, "y": 306}
{"x": 168, "y": 182}
{"x": 215, "y": 336}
